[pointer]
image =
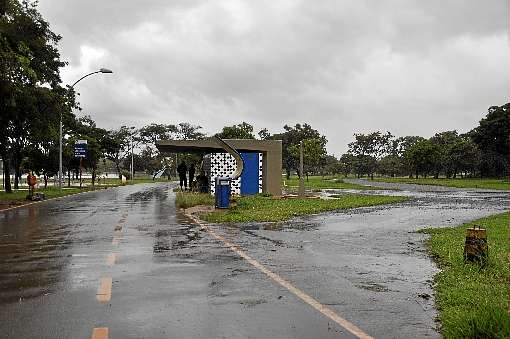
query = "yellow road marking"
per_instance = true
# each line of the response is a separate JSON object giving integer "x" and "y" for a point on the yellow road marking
{"x": 117, "y": 235}
{"x": 326, "y": 311}
{"x": 100, "y": 333}
{"x": 110, "y": 260}
{"x": 104, "y": 293}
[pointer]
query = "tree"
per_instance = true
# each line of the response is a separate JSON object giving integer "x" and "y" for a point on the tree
{"x": 188, "y": 131}
{"x": 422, "y": 157}
{"x": 152, "y": 159}
{"x": 29, "y": 70}
{"x": 264, "y": 134}
{"x": 292, "y": 137}
{"x": 43, "y": 161}
{"x": 390, "y": 165}
{"x": 330, "y": 165}
{"x": 150, "y": 134}
{"x": 314, "y": 152}
{"x": 149, "y": 160}
{"x": 368, "y": 148}
{"x": 444, "y": 162}
{"x": 492, "y": 137}
{"x": 138, "y": 163}
{"x": 240, "y": 131}
{"x": 400, "y": 146}
{"x": 464, "y": 157}
{"x": 116, "y": 145}
{"x": 347, "y": 163}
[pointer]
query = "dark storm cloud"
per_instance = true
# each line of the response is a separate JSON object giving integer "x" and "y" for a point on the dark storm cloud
{"x": 411, "y": 67}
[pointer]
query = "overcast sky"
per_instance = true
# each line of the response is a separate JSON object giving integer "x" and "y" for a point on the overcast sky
{"x": 410, "y": 67}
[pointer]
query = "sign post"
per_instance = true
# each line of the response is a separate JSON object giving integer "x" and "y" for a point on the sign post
{"x": 301, "y": 191}
{"x": 80, "y": 151}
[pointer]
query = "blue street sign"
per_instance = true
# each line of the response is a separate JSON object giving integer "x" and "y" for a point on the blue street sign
{"x": 80, "y": 149}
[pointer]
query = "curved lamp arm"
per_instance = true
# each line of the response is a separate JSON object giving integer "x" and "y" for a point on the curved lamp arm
{"x": 235, "y": 154}
{"x": 102, "y": 70}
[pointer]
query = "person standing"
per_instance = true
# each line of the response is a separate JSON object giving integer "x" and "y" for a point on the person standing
{"x": 182, "y": 169}
{"x": 191, "y": 172}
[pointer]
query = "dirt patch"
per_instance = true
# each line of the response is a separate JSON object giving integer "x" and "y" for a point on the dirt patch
{"x": 198, "y": 209}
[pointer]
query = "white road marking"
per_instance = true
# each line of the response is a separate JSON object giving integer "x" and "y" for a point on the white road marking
{"x": 326, "y": 311}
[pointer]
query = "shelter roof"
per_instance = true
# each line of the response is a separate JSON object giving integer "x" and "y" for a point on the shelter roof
{"x": 210, "y": 146}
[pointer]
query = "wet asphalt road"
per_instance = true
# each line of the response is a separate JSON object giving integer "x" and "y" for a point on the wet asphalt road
{"x": 171, "y": 280}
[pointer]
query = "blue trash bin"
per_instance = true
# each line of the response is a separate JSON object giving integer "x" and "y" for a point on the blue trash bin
{"x": 222, "y": 192}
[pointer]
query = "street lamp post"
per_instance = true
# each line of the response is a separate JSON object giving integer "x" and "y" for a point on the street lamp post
{"x": 60, "y": 173}
{"x": 132, "y": 160}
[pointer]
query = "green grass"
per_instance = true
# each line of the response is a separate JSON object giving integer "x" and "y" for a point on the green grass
{"x": 317, "y": 182}
{"x": 259, "y": 208}
{"x": 497, "y": 184}
{"x": 473, "y": 301}
{"x": 186, "y": 199}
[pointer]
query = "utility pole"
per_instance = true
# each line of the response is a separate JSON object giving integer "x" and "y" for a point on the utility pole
{"x": 175, "y": 165}
{"x": 301, "y": 191}
{"x": 60, "y": 154}
{"x": 132, "y": 159}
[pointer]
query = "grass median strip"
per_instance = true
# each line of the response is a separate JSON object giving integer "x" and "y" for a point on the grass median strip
{"x": 473, "y": 301}
{"x": 495, "y": 184}
{"x": 318, "y": 182}
{"x": 260, "y": 208}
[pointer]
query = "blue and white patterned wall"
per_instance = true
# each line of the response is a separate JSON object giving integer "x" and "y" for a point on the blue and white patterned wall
{"x": 224, "y": 165}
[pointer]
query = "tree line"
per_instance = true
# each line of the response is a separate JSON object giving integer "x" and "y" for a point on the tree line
{"x": 482, "y": 152}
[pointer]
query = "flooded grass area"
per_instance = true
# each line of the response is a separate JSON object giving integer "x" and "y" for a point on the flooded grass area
{"x": 188, "y": 199}
{"x": 496, "y": 184}
{"x": 260, "y": 208}
{"x": 473, "y": 301}
{"x": 319, "y": 182}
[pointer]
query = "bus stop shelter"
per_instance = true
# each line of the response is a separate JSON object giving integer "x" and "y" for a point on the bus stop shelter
{"x": 271, "y": 156}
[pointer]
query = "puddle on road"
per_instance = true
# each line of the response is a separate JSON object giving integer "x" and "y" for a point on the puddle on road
{"x": 174, "y": 237}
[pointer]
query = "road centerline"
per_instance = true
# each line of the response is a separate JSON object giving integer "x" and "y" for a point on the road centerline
{"x": 104, "y": 292}
{"x": 100, "y": 333}
{"x": 111, "y": 259}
